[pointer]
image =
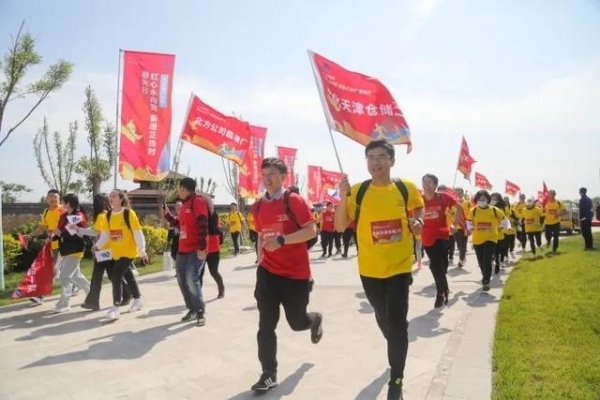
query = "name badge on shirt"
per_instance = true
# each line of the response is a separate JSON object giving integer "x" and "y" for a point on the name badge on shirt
{"x": 103, "y": 255}
{"x": 116, "y": 235}
{"x": 431, "y": 214}
{"x": 385, "y": 232}
{"x": 484, "y": 226}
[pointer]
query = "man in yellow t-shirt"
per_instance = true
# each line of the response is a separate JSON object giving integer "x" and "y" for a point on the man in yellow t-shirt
{"x": 553, "y": 211}
{"x": 384, "y": 232}
{"x": 518, "y": 208}
{"x": 461, "y": 236}
{"x": 48, "y": 224}
{"x": 533, "y": 222}
{"x": 236, "y": 220}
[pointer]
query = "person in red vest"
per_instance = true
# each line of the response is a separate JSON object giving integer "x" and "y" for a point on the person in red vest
{"x": 436, "y": 233}
{"x": 327, "y": 229}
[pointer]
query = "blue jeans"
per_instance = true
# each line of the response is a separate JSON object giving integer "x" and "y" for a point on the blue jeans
{"x": 188, "y": 268}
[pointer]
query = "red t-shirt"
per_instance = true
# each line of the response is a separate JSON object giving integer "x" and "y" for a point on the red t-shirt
{"x": 290, "y": 260}
{"x": 214, "y": 244}
{"x": 193, "y": 235}
{"x": 435, "y": 224}
{"x": 327, "y": 221}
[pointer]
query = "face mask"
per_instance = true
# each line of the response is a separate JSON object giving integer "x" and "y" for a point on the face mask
{"x": 529, "y": 204}
{"x": 482, "y": 203}
{"x": 493, "y": 202}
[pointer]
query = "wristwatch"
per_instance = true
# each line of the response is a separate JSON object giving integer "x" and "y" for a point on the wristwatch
{"x": 281, "y": 240}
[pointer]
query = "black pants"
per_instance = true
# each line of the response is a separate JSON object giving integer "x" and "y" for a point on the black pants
{"x": 586, "y": 232}
{"x": 253, "y": 236}
{"x": 337, "y": 238}
{"x": 174, "y": 247}
{"x": 93, "y": 297}
{"x": 438, "y": 264}
{"x": 485, "y": 255}
{"x": 346, "y": 236}
{"x": 534, "y": 238}
{"x": 270, "y": 292}
{"x": 122, "y": 269}
{"x": 551, "y": 232}
{"x": 451, "y": 247}
{"x": 327, "y": 242}
{"x": 501, "y": 251}
{"x": 235, "y": 238}
{"x": 212, "y": 260}
{"x": 522, "y": 238}
{"x": 510, "y": 242}
{"x": 389, "y": 299}
{"x": 461, "y": 242}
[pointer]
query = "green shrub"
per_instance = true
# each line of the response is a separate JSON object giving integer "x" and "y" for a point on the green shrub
{"x": 12, "y": 251}
{"x": 156, "y": 240}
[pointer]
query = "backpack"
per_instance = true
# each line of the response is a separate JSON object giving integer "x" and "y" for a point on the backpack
{"x": 286, "y": 208}
{"x": 363, "y": 189}
{"x": 125, "y": 217}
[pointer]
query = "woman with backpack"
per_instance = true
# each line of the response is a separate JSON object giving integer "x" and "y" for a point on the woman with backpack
{"x": 71, "y": 247}
{"x": 101, "y": 206}
{"x": 126, "y": 242}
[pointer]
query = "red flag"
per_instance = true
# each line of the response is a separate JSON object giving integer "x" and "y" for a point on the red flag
{"x": 288, "y": 155}
{"x": 357, "y": 105}
{"x": 208, "y": 128}
{"x": 465, "y": 161}
{"x": 315, "y": 186}
{"x": 38, "y": 280}
{"x": 482, "y": 182}
{"x": 511, "y": 188}
{"x": 249, "y": 178}
{"x": 331, "y": 181}
{"x": 145, "y": 149}
{"x": 543, "y": 194}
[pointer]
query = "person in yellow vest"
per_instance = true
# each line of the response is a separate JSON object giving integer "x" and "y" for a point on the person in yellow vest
{"x": 521, "y": 234}
{"x": 461, "y": 235}
{"x": 553, "y": 211}
{"x": 48, "y": 224}
{"x": 253, "y": 236}
{"x": 511, "y": 233}
{"x": 236, "y": 221}
{"x": 483, "y": 222}
{"x": 532, "y": 218}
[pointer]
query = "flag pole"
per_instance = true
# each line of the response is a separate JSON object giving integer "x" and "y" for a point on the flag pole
{"x": 324, "y": 105}
{"x": 118, "y": 121}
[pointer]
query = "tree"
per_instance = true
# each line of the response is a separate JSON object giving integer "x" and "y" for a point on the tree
{"x": 12, "y": 191}
{"x": 232, "y": 180}
{"x": 96, "y": 168}
{"x": 57, "y": 171}
{"x": 17, "y": 61}
{"x": 207, "y": 186}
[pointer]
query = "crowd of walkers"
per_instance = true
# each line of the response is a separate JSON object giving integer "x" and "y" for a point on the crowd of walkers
{"x": 391, "y": 221}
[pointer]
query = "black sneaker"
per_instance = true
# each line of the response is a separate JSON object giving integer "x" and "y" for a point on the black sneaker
{"x": 126, "y": 302}
{"x": 439, "y": 301}
{"x": 316, "y": 331}
{"x": 189, "y": 316}
{"x": 344, "y": 255}
{"x": 497, "y": 269}
{"x": 486, "y": 287}
{"x": 267, "y": 381}
{"x": 395, "y": 390}
{"x": 88, "y": 306}
{"x": 221, "y": 295}
{"x": 200, "y": 320}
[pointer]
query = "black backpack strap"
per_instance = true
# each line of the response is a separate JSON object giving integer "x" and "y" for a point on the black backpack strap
{"x": 287, "y": 210}
{"x": 404, "y": 192}
{"x": 360, "y": 195}
{"x": 108, "y": 214}
{"x": 126, "y": 218}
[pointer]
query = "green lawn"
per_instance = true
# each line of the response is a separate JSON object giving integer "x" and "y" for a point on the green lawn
{"x": 547, "y": 340}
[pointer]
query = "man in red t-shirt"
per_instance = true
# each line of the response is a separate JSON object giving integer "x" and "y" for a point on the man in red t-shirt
{"x": 283, "y": 273}
{"x": 436, "y": 233}
{"x": 327, "y": 229}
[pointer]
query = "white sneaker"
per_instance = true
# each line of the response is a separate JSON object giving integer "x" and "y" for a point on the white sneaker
{"x": 136, "y": 305}
{"x": 113, "y": 313}
{"x": 58, "y": 310}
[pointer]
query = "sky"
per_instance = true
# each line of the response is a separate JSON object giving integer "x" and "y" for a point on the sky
{"x": 518, "y": 79}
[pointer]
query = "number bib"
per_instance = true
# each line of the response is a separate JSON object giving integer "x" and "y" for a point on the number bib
{"x": 384, "y": 232}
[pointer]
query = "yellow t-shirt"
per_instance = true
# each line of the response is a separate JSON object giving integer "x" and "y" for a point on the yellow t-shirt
{"x": 486, "y": 224}
{"x": 532, "y": 218}
{"x": 235, "y": 221}
{"x": 508, "y": 211}
{"x": 519, "y": 208}
{"x": 50, "y": 219}
{"x": 552, "y": 212}
{"x": 250, "y": 220}
{"x": 450, "y": 213}
{"x": 122, "y": 243}
{"x": 101, "y": 225}
{"x": 384, "y": 237}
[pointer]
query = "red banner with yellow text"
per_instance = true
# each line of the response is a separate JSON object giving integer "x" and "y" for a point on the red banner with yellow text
{"x": 288, "y": 156}
{"x": 465, "y": 161}
{"x": 482, "y": 182}
{"x": 250, "y": 169}
{"x": 315, "y": 187}
{"x": 358, "y": 106}
{"x": 213, "y": 131}
{"x": 144, "y": 143}
{"x": 511, "y": 188}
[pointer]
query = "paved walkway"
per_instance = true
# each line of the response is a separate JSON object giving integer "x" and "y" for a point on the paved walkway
{"x": 151, "y": 355}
